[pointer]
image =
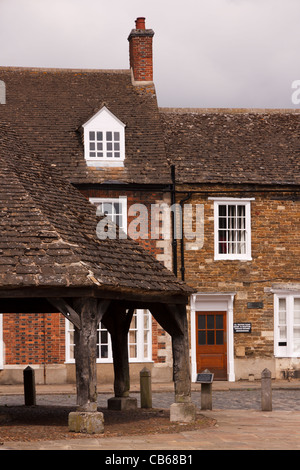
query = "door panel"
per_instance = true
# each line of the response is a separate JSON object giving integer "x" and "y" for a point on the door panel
{"x": 211, "y": 349}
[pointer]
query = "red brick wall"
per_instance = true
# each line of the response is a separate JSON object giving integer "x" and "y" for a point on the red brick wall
{"x": 140, "y": 50}
{"x": 34, "y": 338}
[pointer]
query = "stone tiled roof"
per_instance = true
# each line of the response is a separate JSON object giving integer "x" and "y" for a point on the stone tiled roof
{"x": 48, "y": 234}
{"x": 233, "y": 146}
{"x": 49, "y": 106}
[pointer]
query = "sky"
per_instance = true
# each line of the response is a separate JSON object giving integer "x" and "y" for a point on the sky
{"x": 207, "y": 53}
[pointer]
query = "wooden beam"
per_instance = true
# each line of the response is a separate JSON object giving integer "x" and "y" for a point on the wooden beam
{"x": 167, "y": 318}
{"x": 64, "y": 308}
{"x": 96, "y": 292}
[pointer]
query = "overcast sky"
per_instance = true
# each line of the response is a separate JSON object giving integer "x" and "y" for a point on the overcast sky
{"x": 207, "y": 53}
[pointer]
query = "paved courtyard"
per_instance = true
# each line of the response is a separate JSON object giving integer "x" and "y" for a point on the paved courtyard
{"x": 285, "y": 400}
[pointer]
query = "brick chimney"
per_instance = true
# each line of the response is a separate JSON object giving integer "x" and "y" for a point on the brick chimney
{"x": 140, "y": 51}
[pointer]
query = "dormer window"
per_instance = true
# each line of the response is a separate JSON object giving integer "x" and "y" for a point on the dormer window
{"x": 104, "y": 140}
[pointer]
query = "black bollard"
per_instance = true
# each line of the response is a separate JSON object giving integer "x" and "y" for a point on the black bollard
{"x": 29, "y": 386}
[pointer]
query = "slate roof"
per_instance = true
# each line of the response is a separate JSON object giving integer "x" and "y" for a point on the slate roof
{"x": 233, "y": 146}
{"x": 49, "y": 106}
{"x": 48, "y": 234}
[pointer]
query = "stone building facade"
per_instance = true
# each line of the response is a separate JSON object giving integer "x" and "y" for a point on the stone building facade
{"x": 242, "y": 168}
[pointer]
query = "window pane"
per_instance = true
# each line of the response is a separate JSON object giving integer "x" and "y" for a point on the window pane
{"x": 210, "y": 321}
{"x": 116, "y": 135}
{"x": 201, "y": 322}
{"x": 219, "y": 321}
{"x": 109, "y": 136}
{"x": 104, "y": 351}
{"x": 99, "y": 136}
{"x": 219, "y": 337}
{"x": 282, "y": 311}
{"x": 210, "y": 337}
{"x": 201, "y": 338}
{"x": 222, "y": 211}
{"x": 92, "y": 135}
{"x": 132, "y": 351}
{"x": 297, "y": 310}
{"x": 282, "y": 332}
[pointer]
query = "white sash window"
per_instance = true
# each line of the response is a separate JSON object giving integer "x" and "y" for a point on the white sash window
{"x": 287, "y": 325}
{"x": 232, "y": 219}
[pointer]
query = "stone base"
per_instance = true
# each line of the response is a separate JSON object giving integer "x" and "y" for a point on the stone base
{"x": 86, "y": 422}
{"x": 183, "y": 412}
{"x": 122, "y": 403}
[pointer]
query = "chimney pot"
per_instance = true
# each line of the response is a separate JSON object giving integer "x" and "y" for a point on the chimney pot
{"x": 140, "y": 23}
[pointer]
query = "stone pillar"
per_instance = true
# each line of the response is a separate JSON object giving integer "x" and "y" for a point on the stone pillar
{"x": 206, "y": 394}
{"x": 183, "y": 409}
{"x": 86, "y": 418}
{"x": 145, "y": 387}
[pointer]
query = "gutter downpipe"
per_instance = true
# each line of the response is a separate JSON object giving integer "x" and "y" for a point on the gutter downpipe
{"x": 174, "y": 238}
{"x": 182, "y": 268}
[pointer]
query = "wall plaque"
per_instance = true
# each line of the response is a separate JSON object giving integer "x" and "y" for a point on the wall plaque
{"x": 242, "y": 327}
{"x": 255, "y": 305}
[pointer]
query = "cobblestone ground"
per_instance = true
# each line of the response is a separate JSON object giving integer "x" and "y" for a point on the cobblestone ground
{"x": 283, "y": 400}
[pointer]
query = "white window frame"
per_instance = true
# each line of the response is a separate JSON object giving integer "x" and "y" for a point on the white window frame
{"x": 104, "y": 121}
{"x": 238, "y": 202}
{"x": 284, "y": 345}
{"x": 140, "y": 340}
{"x": 1, "y": 343}
{"x": 121, "y": 200}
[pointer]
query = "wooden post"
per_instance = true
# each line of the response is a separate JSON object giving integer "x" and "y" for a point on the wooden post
{"x": 117, "y": 321}
{"x": 145, "y": 387}
{"x": 29, "y": 386}
{"x": 86, "y": 419}
{"x": 183, "y": 409}
{"x": 266, "y": 390}
{"x": 85, "y": 354}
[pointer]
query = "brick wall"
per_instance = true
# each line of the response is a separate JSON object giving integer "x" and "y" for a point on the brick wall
{"x": 34, "y": 338}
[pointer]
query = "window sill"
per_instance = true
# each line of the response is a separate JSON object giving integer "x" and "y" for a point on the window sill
{"x": 105, "y": 164}
{"x": 234, "y": 258}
